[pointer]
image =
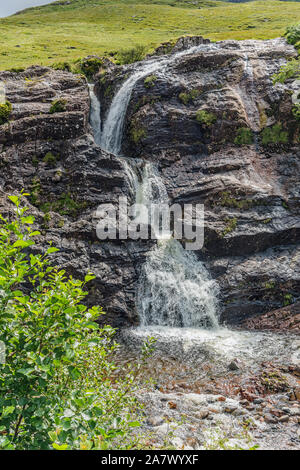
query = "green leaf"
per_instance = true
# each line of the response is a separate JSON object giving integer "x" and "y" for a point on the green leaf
{"x": 52, "y": 435}
{"x": 134, "y": 424}
{"x": 60, "y": 447}
{"x": 22, "y": 243}
{"x": 35, "y": 233}
{"x": 14, "y": 199}
{"x": 26, "y": 372}
{"x": 27, "y": 220}
{"x": 51, "y": 250}
{"x": 7, "y": 410}
{"x": 89, "y": 277}
{"x": 74, "y": 372}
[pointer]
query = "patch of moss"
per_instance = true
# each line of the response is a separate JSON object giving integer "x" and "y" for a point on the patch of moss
{"x": 186, "y": 97}
{"x": 66, "y": 204}
{"x": 273, "y": 381}
{"x": 205, "y": 118}
{"x": 244, "y": 136}
{"x": 150, "y": 80}
{"x": 274, "y": 135}
{"x": 46, "y": 220}
{"x": 50, "y": 159}
{"x": 230, "y": 227}
{"x": 5, "y": 111}
{"x": 137, "y": 134}
{"x": 58, "y": 106}
{"x": 64, "y": 66}
{"x": 145, "y": 99}
{"x": 285, "y": 205}
{"x": 35, "y": 191}
{"x": 287, "y": 300}
{"x": 228, "y": 200}
{"x": 270, "y": 285}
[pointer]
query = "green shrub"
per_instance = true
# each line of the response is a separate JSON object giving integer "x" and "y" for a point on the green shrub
{"x": 150, "y": 80}
{"x": 57, "y": 385}
{"x": 50, "y": 159}
{"x": 5, "y": 111}
{"x": 274, "y": 135}
{"x": 206, "y": 118}
{"x": 290, "y": 70}
{"x": 89, "y": 66}
{"x": 58, "y": 106}
{"x": 137, "y": 134}
{"x": 296, "y": 111}
{"x": 244, "y": 136}
{"x": 134, "y": 54}
{"x": 230, "y": 227}
{"x": 65, "y": 66}
{"x": 186, "y": 97}
{"x": 292, "y": 34}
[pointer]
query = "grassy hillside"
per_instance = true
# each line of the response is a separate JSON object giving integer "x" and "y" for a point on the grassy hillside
{"x": 65, "y": 31}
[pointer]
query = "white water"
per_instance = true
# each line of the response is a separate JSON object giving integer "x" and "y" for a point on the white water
{"x": 175, "y": 289}
{"x": 95, "y": 115}
{"x": 219, "y": 346}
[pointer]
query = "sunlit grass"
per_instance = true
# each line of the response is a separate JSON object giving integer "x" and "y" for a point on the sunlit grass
{"x": 52, "y": 33}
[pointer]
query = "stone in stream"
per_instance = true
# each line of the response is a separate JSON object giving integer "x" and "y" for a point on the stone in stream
{"x": 233, "y": 365}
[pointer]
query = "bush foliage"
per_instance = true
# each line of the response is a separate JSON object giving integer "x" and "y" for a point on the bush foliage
{"x": 57, "y": 387}
{"x": 134, "y": 54}
{"x": 5, "y": 111}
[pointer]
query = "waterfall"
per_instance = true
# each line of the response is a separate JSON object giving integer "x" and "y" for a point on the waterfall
{"x": 174, "y": 288}
{"x": 95, "y": 115}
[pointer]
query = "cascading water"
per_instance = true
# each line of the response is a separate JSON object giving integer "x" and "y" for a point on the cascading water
{"x": 175, "y": 288}
{"x": 95, "y": 115}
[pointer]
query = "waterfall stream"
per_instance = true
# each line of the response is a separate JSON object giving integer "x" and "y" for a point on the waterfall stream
{"x": 95, "y": 115}
{"x": 175, "y": 288}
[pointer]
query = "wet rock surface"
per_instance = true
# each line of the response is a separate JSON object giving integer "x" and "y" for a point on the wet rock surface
{"x": 199, "y": 401}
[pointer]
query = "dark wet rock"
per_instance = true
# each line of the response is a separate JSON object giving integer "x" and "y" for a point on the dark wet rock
{"x": 53, "y": 156}
{"x": 283, "y": 319}
{"x": 233, "y": 365}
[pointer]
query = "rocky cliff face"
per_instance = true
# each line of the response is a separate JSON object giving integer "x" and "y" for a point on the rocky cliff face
{"x": 224, "y": 135}
{"x": 220, "y": 133}
{"x": 54, "y": 157}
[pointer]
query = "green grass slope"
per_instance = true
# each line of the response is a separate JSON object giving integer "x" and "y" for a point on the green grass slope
{"x": 67, "y": 30}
